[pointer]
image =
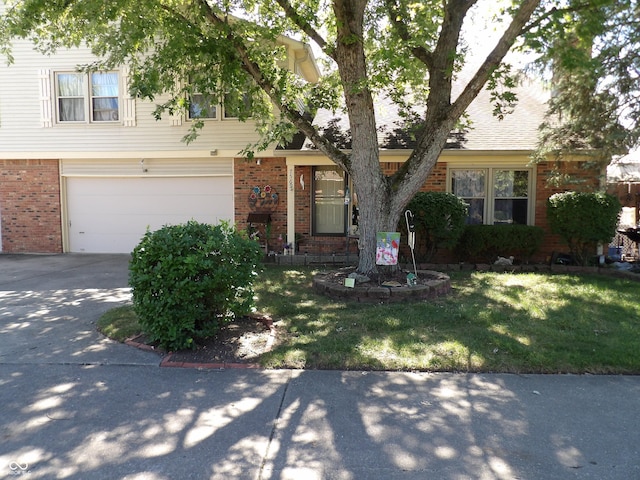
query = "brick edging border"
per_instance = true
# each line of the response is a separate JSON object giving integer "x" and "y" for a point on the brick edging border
{"x": 439, "y": 284}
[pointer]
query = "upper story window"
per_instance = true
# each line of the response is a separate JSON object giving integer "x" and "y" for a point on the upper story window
{"x": 87, "y": 98}
{"x": 202, "y": 107}
{"x": 206, "y": 107}
{"x": 236, "y": 104}
{"x": 495, "y": 195}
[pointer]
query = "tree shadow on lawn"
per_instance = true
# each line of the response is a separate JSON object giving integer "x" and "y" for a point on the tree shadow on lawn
{"x": 492, "y": 322}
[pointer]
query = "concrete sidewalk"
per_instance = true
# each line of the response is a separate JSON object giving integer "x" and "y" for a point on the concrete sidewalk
{"x": 75, "y": 405}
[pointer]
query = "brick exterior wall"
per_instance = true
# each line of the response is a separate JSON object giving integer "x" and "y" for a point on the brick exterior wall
{"x": 436, "y": 182}
{"x": 273, "y": 172}
{"x": 30, "y": 206}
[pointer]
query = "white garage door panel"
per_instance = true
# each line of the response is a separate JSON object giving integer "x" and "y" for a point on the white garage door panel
{"x": 136, "y": 205}
{"x": 110, "y": 215}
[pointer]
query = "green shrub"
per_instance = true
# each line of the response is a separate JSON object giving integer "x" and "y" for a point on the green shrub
{"x": 188, "y": 280}
{"x": 439, "y": 220}
{"x": 583, "y": 220}
{"x": 487, "y": 242}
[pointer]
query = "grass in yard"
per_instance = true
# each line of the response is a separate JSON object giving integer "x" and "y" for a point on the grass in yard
{"x": 119, "y": 323}
{"x": 492, "y": 322}
{"x": 497, "y": 322}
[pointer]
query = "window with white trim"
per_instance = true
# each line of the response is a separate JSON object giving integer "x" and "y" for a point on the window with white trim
{"x": 202, "y": 107}
{"x": 206, "y": 107}
{"x": 235, "y": 104}
{"x": 495, "y": 195}
{"x": 87, "y": 98}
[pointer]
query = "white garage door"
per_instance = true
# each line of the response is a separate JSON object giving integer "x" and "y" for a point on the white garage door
{"x": 110, "y": 215}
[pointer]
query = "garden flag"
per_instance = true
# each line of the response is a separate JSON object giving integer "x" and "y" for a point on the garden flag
{"x": 387, "y": 248}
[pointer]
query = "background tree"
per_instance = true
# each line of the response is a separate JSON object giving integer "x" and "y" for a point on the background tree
{"x": 592, "y": 56}
{"x": 409, "y": 50}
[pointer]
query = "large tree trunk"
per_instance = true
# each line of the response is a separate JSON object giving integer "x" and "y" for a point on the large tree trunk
{"x": 373, "y": 203}
{"x": 381, "y": 203}
{"x": 381, "y": 199}
{"x": 364, "y": 163}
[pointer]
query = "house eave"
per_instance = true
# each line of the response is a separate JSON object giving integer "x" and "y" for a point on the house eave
{"x": 406, "y": 153}
{"x": 89, "y": 155}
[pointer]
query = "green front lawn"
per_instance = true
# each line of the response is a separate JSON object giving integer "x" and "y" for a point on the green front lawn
{"x": 493, "y": 322}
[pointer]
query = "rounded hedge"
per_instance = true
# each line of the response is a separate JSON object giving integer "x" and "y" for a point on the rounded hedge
{"x": 583, "y": 220}
{"x": 189, "y": 280}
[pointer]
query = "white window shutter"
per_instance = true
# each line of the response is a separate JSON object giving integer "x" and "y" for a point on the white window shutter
{"x": 128, "y": 102}
{"x": 176, "y": 119}
{"x": 46, "y": 105}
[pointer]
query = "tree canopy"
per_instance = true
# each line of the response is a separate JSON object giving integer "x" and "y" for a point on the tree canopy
{"x": 592, "y": 55}
{"x": 411, "y": 51}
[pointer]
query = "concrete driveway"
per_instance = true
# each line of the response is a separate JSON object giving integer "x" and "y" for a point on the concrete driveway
{"x": 49, "y": 305}
{"x": 74, "y": 405}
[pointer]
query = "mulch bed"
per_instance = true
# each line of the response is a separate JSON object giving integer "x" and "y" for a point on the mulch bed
{"x": 389, "y": 287}
{"x": 398, "y": 276}
{"x": 240, "y": 343}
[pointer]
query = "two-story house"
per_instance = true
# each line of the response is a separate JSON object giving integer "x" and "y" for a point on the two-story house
{"x": 84, "y": 167}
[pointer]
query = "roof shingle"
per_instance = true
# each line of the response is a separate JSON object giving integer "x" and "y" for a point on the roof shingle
{"x": 517, "y": 131}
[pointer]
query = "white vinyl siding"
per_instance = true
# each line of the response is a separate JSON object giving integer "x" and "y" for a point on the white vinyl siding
{"x": 27, "y": 100}
{"x": 147, "y": 167}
